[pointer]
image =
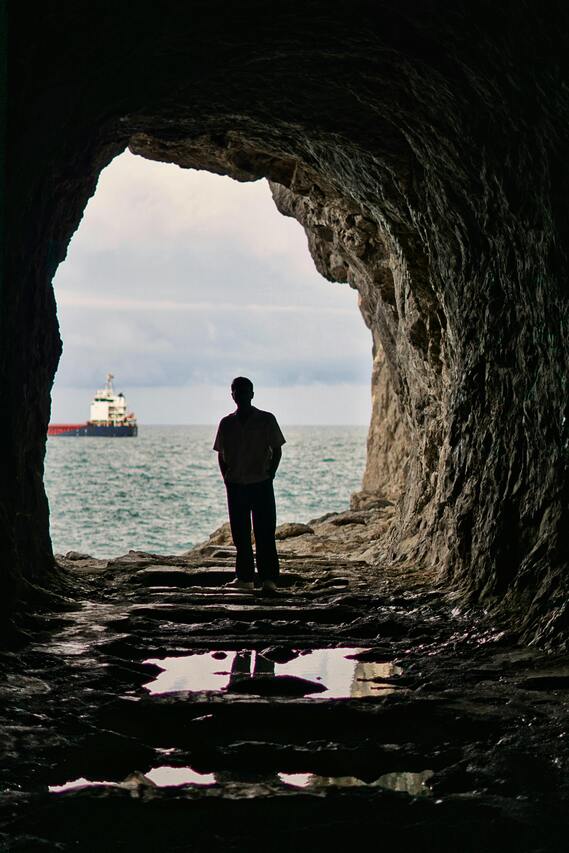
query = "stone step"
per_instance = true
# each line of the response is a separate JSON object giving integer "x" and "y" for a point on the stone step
{"x": 141, "y": 646}
{"x": 108, "y": 756}
{"x": 215, "y": 596}
{"x": 229, "y": 551}
{"x": 190, "y": 719}
{"x": 182, "y": 577}
{"x": 244, "y": 610}
{"x": 227, "y": 595}
{"x": 237, "y": 816}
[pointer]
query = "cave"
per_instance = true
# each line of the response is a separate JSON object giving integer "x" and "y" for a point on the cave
{"x": 423, "y": 154}
{"x": 423, "y": 149}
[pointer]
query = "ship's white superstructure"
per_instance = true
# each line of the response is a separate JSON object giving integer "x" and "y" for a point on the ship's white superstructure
{"x": 108, "y": 408}
{"x": 109, "y": 417}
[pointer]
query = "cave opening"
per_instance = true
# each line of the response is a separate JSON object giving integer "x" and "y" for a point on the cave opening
{"x": 177, "y": 280}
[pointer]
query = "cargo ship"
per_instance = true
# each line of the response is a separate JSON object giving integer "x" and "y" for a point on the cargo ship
{"x": 108, "y": 417}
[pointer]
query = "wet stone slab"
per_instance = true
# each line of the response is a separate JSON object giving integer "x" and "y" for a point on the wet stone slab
{"x": 158, "y": 705}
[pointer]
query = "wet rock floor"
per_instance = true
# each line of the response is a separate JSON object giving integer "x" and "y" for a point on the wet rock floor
{"x": 159, "y": 711}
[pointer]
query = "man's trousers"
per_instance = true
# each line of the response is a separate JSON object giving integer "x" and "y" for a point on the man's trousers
{"x": 253, "y": 501}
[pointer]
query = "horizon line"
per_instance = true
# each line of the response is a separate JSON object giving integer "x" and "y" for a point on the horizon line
{"x": 215, "y": 423}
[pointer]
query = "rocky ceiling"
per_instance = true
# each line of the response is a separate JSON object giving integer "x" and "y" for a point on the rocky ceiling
{"x": 424, "y": 147}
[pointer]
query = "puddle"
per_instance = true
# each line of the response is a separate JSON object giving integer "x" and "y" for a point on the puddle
{"x": 166, "y": 776}
{"x": 218, "y": 670}
{"x": 162, "y": 777}
{"x": 408, "y": 783}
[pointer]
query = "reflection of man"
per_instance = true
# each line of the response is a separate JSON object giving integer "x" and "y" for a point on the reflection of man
{"x": 249, "y": 443}
{"x": 234, "y": 771}
{"x": 241, "y": 666}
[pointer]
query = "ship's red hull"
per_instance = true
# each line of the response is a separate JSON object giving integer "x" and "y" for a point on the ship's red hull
{"x": 60, "y": 429}
{"x": 92, "y": 430}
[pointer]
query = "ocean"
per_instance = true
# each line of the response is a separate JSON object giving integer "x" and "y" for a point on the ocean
{"x": 162, "y": 491}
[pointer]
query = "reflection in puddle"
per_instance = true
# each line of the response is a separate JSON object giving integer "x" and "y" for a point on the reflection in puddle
{"x": 311, "y": 780}
{"x": 409, "y": 783}
{"x": 164, "y": 776}
{"x": 79, "y": 783}
{"x": 331, "y": 667}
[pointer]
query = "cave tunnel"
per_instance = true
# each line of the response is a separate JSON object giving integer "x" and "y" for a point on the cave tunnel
{"x": 423, "y": 146}
{"x": 424, "y": 154}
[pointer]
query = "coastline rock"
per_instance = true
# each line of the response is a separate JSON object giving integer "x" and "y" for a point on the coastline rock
{"x": 368, "y": 500}
{"x": 221, "y": 536}
{"x": 291, "y": 529}
{"x": 344, "y": 518}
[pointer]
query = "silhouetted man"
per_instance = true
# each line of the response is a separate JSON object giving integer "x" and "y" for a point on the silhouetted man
{"x": 249, "y": 444}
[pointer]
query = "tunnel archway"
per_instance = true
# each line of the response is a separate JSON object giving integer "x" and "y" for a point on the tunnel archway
{"x": 424, "y": 172}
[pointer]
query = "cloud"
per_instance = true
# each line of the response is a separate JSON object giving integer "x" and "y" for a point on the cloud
{"x": 160, "y": 204}
{"x": 182, "y": 279}
{"x": 117, "y": 304}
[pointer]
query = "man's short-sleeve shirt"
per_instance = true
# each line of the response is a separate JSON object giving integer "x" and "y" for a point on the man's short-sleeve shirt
{"x": 246, "y": 446}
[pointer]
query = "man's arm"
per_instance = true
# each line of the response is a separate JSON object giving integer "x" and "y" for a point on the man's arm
{"x": 222, "y": 464}
{"x": 218, "y": 445}
{"x": 275, "y": 460}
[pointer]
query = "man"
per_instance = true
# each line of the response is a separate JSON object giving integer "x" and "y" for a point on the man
{"x": 249, "y": 444}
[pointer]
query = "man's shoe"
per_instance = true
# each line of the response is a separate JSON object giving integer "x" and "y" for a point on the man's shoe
{"x": 269, "y": 588}
{"x": 244, "y": 586}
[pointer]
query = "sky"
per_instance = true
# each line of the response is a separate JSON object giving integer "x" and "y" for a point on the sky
{"x": 178, "y": 280}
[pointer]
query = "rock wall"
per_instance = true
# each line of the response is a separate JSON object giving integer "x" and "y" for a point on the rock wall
{"x": 425, "y": 150}
{"x": 347, "y": 246}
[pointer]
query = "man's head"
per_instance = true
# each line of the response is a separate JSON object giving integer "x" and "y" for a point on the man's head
{"x": 242, "y": 391}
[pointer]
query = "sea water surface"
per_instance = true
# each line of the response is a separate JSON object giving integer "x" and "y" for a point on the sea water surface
{"x": 162, "y": 491}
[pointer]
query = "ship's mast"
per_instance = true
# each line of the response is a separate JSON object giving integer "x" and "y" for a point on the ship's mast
{"x": 109, "y": 388}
